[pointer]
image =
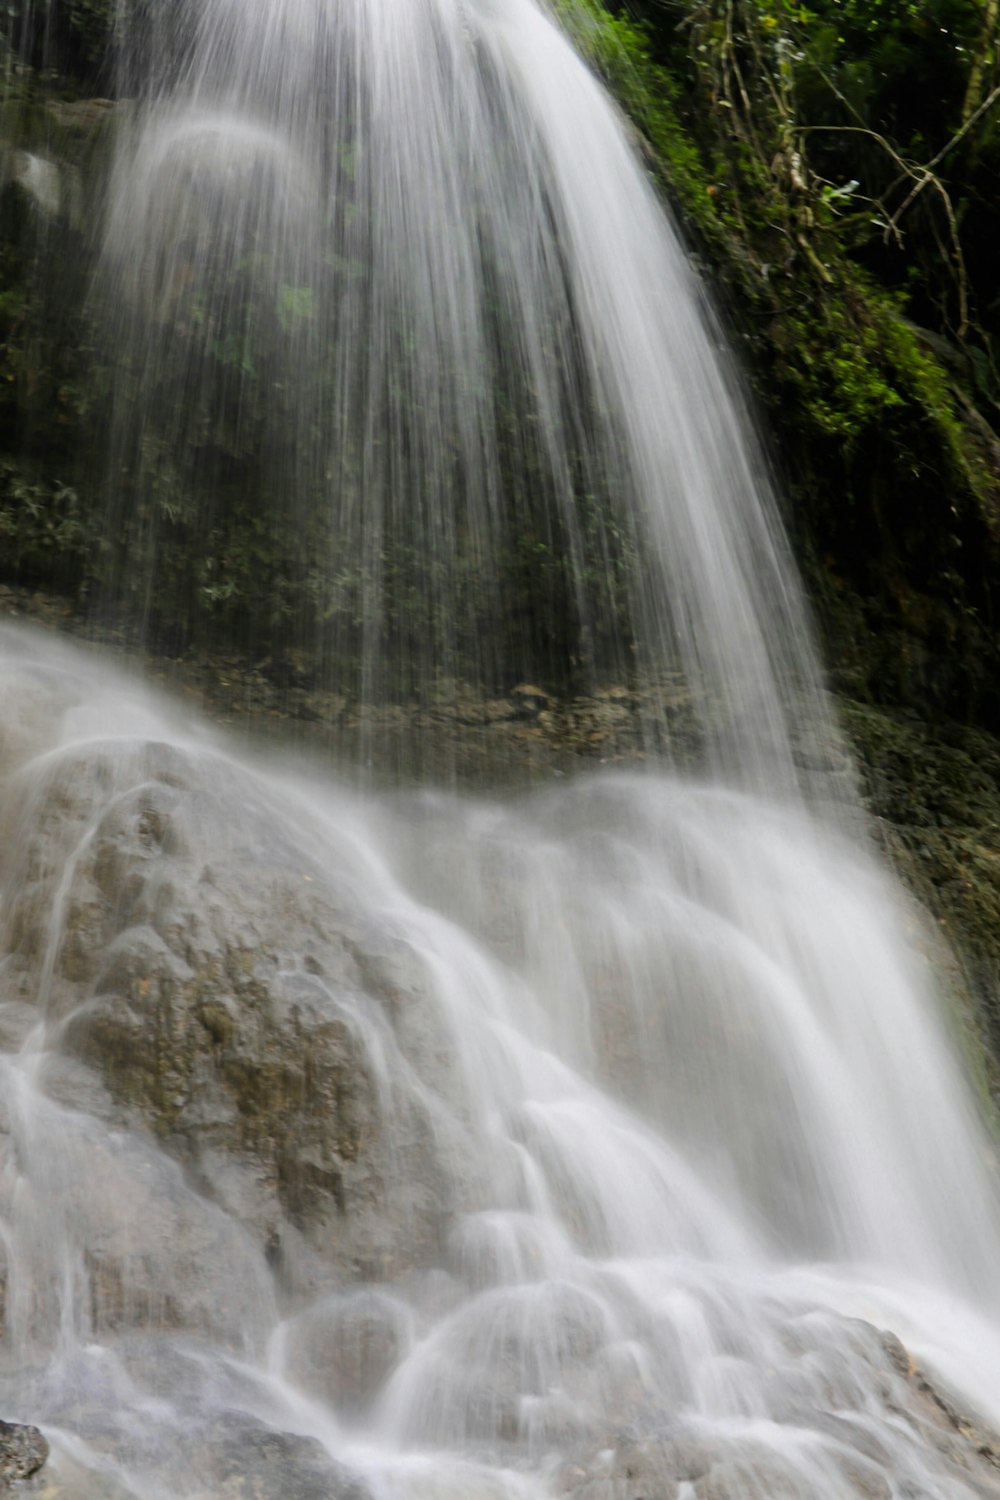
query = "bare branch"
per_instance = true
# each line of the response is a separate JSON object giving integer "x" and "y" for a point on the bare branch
{"x": 928, "y": 176}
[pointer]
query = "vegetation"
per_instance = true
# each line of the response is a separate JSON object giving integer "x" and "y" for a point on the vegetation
{"x": 837, "y": 168}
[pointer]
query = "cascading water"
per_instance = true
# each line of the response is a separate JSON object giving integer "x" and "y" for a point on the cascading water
{"x": 399, "y": 261}
{"x": 579, "y": 1142}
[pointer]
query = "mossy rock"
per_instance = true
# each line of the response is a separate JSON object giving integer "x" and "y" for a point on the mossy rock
{"x": 934, "y": 791}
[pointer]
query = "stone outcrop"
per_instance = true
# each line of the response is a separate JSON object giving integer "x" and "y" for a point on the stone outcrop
{"x": 212, "y": 988}
{"x": 23, "y": 1451}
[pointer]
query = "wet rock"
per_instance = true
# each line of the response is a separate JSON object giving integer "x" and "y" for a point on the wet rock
{"x": 934, "y": 789}
{"x": 851, "y": 1432}
{"x": 652, "y": 1465}
{"x": 345, "y": 1348}
{"x": 82, "y": 117}
{"x": 247, "y": 1461}
{"x": 66, "y": 1480}
{"x": 181, "y": 1421}
{"x": 758, "y": 1478}
{"x": 23, "y": 1451}
{"x": 641, "y": 1468}
{"x": 530, "y": 699}
{"x": 228, "y": 990}
{"x": 151, "y": 1252}
{"x": 905, "y": 1438}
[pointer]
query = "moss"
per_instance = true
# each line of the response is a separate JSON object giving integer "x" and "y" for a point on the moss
{"x": 650, "y": 96}
{"x": 893, "y": 490}
{"x": 217, "y": 1021}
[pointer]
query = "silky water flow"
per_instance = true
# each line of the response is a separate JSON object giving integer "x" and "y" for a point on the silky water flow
{"x": 600, "y": 1140}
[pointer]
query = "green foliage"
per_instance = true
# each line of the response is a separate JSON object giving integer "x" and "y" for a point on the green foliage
{"x": 43, "y": 528}
{"x": 90, "y": 25}
{"x": 789, "y": 136}
{"x": 295, "y": 306}
{"x": 63, "y": 39}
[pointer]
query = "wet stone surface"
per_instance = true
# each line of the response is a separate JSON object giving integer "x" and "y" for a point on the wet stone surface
{"x": 23, "y": 1451}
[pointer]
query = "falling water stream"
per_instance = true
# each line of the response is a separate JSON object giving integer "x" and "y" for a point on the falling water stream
{"x": 597, "y": 1140}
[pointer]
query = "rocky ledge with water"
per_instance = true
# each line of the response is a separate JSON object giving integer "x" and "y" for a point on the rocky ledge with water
{"x": 932, "y": 786}
{"x": 305, "y": 1115}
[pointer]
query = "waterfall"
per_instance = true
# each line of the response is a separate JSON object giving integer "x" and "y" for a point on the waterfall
{"x": 599, "y": 1139}
{"x": 399, "y": 270}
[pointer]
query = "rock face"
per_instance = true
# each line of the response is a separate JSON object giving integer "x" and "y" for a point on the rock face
{"x": 205, "y": 980}
{"x": 345, "y": 1347}
{"x": 23, "y": 1451}
{"x": 929, "y": 1444}
{"x": 227, "y": 1089}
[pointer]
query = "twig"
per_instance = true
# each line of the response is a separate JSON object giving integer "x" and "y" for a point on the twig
{"x": 908, "y": 170}
{"x": 928, "y": 171}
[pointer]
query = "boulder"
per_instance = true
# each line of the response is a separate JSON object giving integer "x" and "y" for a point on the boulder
{"x": 220, "y": 985}
{"x": 23, "y": 1451}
